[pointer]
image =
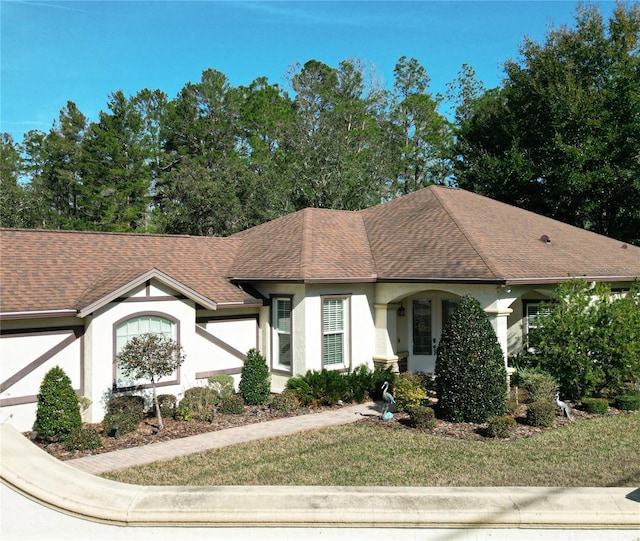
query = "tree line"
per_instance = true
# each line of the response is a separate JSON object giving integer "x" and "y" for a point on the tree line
{"x": 560, "y": 136}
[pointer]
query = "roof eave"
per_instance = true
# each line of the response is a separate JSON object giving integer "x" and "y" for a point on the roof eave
{"x": 39, "y": 314}
{"x": 153, "y": 273}
{"x": 558, "y": 279}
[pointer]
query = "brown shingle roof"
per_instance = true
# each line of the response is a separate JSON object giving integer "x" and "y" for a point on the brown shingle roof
{"x": 434, "y": 234}
{"x": 57, "y": 270}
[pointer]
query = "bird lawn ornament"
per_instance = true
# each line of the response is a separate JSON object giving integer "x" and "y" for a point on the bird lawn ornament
{"x": 563, "y": 406}
{"x": 388, "y": 400}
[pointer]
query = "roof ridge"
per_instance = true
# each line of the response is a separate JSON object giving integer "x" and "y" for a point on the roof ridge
{"x": 464, "y": 233}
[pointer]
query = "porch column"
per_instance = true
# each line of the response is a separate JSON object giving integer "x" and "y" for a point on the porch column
{"x": 498, "y": 318}
{"x": 386, "y": 335}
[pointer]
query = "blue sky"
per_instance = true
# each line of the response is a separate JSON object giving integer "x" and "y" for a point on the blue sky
{"x": 83, "y": 50}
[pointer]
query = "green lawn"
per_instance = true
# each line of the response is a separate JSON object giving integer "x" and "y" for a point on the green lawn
{"x": 601, "y": 452}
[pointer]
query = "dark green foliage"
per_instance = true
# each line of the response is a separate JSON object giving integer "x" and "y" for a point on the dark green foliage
{"x": 589, "y": 339}
{"x": 595, "y": 405}
{"x": 471, "y": 378}
{"x": 421, "y": 417}
{"x": 131, "y": 405}
{"x": 85, "y": 439}
{"x": 360, "y": 381}
{"x": 541, "y": 413}
{"x": 118, "y": 424}
{"x": 255, "y": 381}
{"x": 167, "y": 404}
{"x": 501, "y": 426}
{"x": 58, "y": 412}
{"x": 198, "y": 403}
{"x": 409, "y": 391}
{"x": 539, "y": 385}
{"x": 231, "y": 404}
{"x": 628, "y": 401}
{"x": 285, "y": 401}
{"x": 379, "y": 376}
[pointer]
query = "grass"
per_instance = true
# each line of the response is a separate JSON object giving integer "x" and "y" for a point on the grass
{"x": 598, "y": 452}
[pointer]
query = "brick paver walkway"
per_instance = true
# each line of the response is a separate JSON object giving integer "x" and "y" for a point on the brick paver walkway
{"x": 154, "y": 452}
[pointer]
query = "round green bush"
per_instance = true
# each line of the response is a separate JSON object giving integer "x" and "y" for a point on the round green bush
{"x": 198, "y": 403}
{"x": 501, "y": 426}
{"x": 222, "y": 385}
{"x": 629, "y": 401}
{"x": 538, "y": 384}
{"x": 409, "y": 391}
{"x": 471, "y": 377}
{"x": 285, "y": 401}
{"x": 541, "y": 413}
{"x": 422, "y": 417}
{"x": 255, "y": 381}
{"x": 598, "y": 406}
{"x": 132, "y": 405}
{"x": 58, "y": 411}
{"x": 232, "y": 404}
{"x": 167, "y": 405}
{"x": 85, "y": 439}
{"x": 115, "y": 425}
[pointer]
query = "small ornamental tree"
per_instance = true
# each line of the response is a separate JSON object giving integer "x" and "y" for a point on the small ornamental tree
{"x": 471, "y": 377}
{"x": 255, "y": 383}
{"x": 150, "y": 356}
{"x": 58, "y": 413}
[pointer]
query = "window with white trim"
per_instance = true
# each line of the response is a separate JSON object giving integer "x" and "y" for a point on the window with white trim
{"x": 282, "y": 329}
{"x": 532, "y": 312}
{"x": 138, "y": 326}
{"x": 335, "y": 340}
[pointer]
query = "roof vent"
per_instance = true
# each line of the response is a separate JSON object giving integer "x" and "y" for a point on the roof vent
{"x": 545, "y": 239}
{"x": 624, "y": 246}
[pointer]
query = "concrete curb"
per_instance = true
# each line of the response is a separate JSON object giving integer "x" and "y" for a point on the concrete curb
{"x": 33, "y": 473}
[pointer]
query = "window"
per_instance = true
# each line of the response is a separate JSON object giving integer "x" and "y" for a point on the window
{"x": 448, "y": 307}
{"x": 136, "y": 326}
{"x": 422, "y": 327}
{"x": 334, "y": 332}
{"x": 282, "y": 332}
{"x": 532, "y": 312}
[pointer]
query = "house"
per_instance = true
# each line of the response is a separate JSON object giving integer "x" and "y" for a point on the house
{"x": 315, "y": 289}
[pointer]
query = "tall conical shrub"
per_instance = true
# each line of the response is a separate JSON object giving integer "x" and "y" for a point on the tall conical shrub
{"x": 58, "y": 412}
{"x": 255, "y": 381}
{"x": 471, "y": 377}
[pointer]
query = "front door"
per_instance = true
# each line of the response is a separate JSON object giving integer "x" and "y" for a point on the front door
{"x": 422, "y": 356}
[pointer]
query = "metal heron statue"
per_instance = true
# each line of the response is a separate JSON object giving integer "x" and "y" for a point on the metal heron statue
{"x": 563, "y": 406}
{"x": 388, "y": 400}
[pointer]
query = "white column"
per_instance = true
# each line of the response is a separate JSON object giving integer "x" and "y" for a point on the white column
{"x": 498, "y": 318}
{"x": 386, "y": 334}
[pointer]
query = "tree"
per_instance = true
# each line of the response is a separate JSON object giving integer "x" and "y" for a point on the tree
{"x": 150, "y": 356}
{"x": 562, "y": 136}
{"x": 423, "y": 137}
{"x": 11, "y": 192}
{"x": 255, "y": 382}
{"x": 587, "y": 339}
{"x": 471, "y": 377}
{"x": 58, "y": 413}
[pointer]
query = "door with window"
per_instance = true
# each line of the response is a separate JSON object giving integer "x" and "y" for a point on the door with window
{"x": 428, "y": 316}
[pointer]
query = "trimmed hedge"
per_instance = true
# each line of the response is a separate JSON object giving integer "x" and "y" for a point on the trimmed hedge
{"x": 58, "y": 413}
{"x": 595, "y": 405}
{"x": 501, "y": 426}
{"x": 541, "y": 413}
{"x": 629, "y": 401}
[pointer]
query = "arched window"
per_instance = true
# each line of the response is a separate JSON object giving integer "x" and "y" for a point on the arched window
{"x": 138, "y": 325}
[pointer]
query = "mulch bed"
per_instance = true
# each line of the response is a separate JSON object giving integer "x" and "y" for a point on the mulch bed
{"x": 147, "y": 433}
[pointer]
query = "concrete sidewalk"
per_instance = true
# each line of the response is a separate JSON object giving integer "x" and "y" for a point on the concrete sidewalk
{"x": 135, "y": 456}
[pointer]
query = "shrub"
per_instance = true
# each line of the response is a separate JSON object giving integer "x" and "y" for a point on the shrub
{"x": 232, "y": 404}
{"x": 198, "y": 403}
{"x": 255, "y": 382}
{"x": 183, "y": 412}
{"x": 132, "y": 405}
{"x": 58, "y": 411}
{"x": 501, "y": 426}
{"x": 595, "y": 405}
{"x": 118, "y": 424}
{"x": 628, "y": 401}
{"x": 167, "y": 404}
{"x": 588, "y": 339}
{"x": 85, "y": 439}
{"x": 286, "y": 401}
{"x": 421, "y": 417}
{"x": 360, "y": 383}
{"x": 539, "y": 385}
{"x": 541, "y": 413}
{"x": 379, "y": 376}
{"x": 222, "y": 385}
{"x": 409, "y": 391}
{"x": 323, "y": 388}
{"x": 471, "y": 378}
